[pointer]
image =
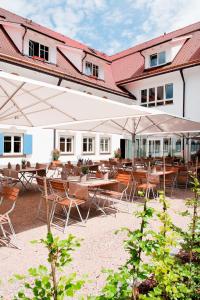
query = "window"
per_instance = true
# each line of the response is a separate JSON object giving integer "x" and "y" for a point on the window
{"x": 66, "y": 144}
{"x": 161, "y": 95}
{"x": 91, "y": 69}
{"x": 157, "y": 59}
{"x": 178, "y": 146}
{"x": 38, "y": 50}
{"x": 143, "y": 96}
{"x": 88, "y": 145}
{"x": 166, "y": 145}
{"x": 157, "y": 146}
{"x": 104, "y": 145}
{"x": 12, "y": 144}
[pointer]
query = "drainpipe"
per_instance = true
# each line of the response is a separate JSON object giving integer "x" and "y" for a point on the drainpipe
{"x": 83, "y": 59}
{"x": 183, "y": 112}
{"x": 25, "y": 31}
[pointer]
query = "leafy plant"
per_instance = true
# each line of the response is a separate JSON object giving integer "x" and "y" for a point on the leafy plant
{"x": 55, "y": 154}
{"x": 84, "y": 170}
{"x": 117, "y": 153}
{"x": 43, "y": 283}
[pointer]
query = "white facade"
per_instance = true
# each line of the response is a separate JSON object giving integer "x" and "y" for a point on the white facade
{"x": 43, "y": 140}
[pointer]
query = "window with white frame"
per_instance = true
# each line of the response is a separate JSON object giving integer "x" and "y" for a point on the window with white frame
{"x": 12, "y": 144}
{"x": 67, "y": 144}
{"x": 157, "y": 59}
{"x": 178, "y": 145}
{"x": 38, "y": 50}
{"x": 88, "y": 144}
{"x": 166, "y": 145}
{"x": 91, "y": 69}
{"x": 104, "y": 145}
{"x": 157, "y": 96}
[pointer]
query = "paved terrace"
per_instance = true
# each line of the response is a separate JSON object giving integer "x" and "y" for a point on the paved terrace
{"x": 100, "y": 248}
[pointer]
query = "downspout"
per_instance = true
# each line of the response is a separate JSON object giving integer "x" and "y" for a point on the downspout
{"x": 83, "y": 60}
{"x": 23, "y": 37}
{"x": 183, "y": 112}
{"x": 54, "y": 130}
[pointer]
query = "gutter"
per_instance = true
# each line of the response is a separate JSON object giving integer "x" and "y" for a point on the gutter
{"x": 42, "y": 69}
{"x": 183, "y": 79}
{"x": 83, "y": 60}
{"x": 172, "y": 69}
{"x": 25, "y": 31}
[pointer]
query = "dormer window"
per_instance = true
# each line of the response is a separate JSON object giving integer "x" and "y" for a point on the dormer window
{"x": 91, "y": 69}
{"x": 38, "y": 51}
{"x": 157, "y": 59}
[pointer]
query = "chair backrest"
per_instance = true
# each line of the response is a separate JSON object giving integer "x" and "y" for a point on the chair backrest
{"x": 140, "y": 177}
{"x": 123, "y": 178}
{"x": 10, "y": 193}
{"x": 6, "y": 172}
{"x": 59, "y": 186}
{"x": 14, "y": 174}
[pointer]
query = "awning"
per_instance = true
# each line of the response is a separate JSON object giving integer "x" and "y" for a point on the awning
{"x": 27, "y": 102}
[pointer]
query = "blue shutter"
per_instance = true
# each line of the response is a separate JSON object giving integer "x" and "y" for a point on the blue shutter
{"x": 128, "y": 151}
{"x": 28, "y": 144}
{"x": 1, "y": 143}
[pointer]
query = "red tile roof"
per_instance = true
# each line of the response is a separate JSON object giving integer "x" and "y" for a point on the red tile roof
{"x": 120, "y": 68}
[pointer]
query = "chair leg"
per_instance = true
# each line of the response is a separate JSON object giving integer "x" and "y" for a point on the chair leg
{"x": 67, "y": 219}
{"x": 79, "y": 213}
{"x": 3, "y": 231}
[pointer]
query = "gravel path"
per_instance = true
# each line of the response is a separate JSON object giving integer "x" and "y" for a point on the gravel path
{"x": 100, "y": 248}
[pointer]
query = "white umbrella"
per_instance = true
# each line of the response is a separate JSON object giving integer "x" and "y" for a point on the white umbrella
{"x": 28, "y": 102}
{"x": 132, "y": 126}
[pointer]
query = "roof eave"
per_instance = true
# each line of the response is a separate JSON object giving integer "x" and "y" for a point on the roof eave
{"x": 168, "y": 70}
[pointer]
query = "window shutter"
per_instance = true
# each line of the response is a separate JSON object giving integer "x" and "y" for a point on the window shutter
{"x": 129, "y": 149}
{"x": 1, "y": 143}
{"x": 28, "y": 144}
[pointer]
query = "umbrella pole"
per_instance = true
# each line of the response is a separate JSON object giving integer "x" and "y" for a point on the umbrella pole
{"x": 133, "y": 150}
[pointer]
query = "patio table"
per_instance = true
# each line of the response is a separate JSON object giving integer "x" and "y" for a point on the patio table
{"x": 27, "y": 180}
{"x": 94, "y": 187}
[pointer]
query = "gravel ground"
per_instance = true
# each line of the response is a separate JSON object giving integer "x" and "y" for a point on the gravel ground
{"x": 100, "y": 248}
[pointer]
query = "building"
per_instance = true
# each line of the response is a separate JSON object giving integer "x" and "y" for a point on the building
{"x": 162, "y": 73}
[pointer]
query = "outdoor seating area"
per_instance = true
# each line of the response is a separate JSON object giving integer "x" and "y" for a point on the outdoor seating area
{"x": 87, "y": 187}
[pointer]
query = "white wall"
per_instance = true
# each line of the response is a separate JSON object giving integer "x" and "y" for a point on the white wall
{"x": 192, "y": 91}
{"x": 174, "y": 77}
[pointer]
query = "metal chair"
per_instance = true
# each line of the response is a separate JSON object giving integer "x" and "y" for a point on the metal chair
{"x": 64, "y": 201}
{"x": 143, "y": 183}
{"x": 8, "y": 194}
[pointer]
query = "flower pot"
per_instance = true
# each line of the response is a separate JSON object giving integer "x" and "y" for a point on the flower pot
{"x": 84, "y": 178}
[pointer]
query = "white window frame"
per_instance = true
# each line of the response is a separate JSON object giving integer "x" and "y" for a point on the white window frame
{"x": 12, "y": 135}
{"x": 103, "y": 151}
{"x": 157, "y": 59}
{"x": 72, "y": 143}
{"x": 40, "y": 50}
{"x": 93, "y": 68}
{"x": 93, "y": 145}
{"x": 164, "y": 101}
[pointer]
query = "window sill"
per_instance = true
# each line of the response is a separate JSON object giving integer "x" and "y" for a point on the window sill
{"x": 156, "y": 67}
{"x": 66, "y": 154}
{"x": 104, "y": 153}
{"x": 88, "y": 153}
{"x": 13, "y": 156}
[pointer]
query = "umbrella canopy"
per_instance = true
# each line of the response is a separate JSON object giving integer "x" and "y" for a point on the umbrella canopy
{"x": 27, "y": 102}
{"x": 143, "y": 125}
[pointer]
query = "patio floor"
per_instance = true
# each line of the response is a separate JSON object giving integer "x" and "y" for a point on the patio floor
{"x": 100, "y": 247}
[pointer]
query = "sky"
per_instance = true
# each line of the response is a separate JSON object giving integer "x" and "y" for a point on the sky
{"x": 109, "y": 25}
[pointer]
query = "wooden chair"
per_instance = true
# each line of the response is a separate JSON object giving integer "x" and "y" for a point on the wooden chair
{"x": 170, "y": 182}
{"x": 117, "y": 197}
{"x": 143, "y": 184}
{"x": 41, "y": 214}
{"x": 62, "y": 199}
{"x": 8, "y": 194}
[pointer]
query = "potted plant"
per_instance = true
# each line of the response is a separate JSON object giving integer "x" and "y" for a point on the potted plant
{"x": 117, "y": 153}
{"x": 55, "y": 156}
{"x": 23, "y": 164}
{"x": 84, "y": 173}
